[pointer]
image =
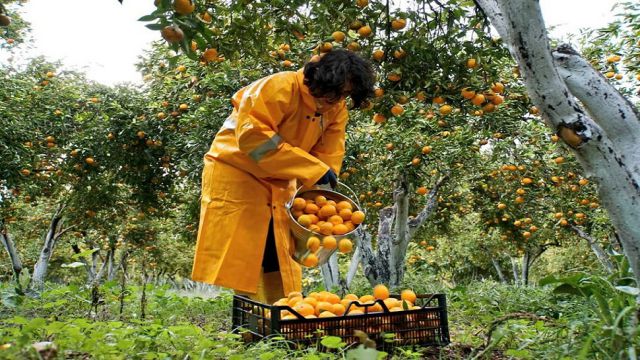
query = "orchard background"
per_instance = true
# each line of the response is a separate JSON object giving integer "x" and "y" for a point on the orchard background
{"x": 468, "y": 189}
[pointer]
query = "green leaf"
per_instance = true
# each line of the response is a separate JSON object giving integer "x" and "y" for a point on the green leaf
{"x": 362, "y": 353}
{"x": 84, "y": 253}
{"x": 332, "y": 342}
{"x": 149, "y": 17}
{"x": 629, "y": 290}
{"x": 524, "y": 353}
{"x": 567, "y": 289}
{"x": 155, "y": 26}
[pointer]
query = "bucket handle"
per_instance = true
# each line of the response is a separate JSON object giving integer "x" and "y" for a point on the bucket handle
{"x": 289, "y": 204}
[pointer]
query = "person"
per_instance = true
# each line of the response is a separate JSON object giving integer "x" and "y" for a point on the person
{"x": 285, "y": 129}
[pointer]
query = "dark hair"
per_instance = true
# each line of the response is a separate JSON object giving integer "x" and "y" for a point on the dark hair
{"x": 328, "y": 76}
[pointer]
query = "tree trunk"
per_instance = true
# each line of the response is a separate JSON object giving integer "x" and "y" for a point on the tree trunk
{"x": 604, "y": 138}
{"x": 514, "y": 269}
{"x": 597, "y": 250}
{"x": 88, "y": 268}
{"x": 41, "y": 266}
{"x": 525, "y": 268}
{"x": 385, "y": 265}
{"x": 496, "y": 265}
{"x": 8, "y": 244}
{"x": 330, "y": 272}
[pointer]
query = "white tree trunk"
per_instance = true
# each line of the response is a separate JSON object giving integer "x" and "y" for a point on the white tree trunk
{"x": 601, "y": 255}
{"x": 385, "y": 266}
{"x": 514, "y": 269}
{"x": 496, "y": 265}
{"x": 41, "y": 266}
{"x": 8, "y": 244}
{"x": 330, "y": 272}
{"x": 606, "y": 140}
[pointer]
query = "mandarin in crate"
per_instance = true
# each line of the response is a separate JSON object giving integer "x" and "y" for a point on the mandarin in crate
{"x": 323, "y": 306}
{"x": 381, "y": 292}
{"x": 408, "y": 295}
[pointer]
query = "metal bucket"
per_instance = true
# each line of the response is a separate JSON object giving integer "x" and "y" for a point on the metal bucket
{"x": 301, "y": 234}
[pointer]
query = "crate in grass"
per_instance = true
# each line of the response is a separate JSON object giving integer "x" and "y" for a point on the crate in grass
{"x": 425, "y": 326}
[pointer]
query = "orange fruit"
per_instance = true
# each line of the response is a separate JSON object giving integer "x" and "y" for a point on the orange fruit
{"x": 378, "y": 55}
{"x": 313, "y": 244}
{"x": 299, "y": 204}
{"x": 172, "y": 34}
{"x": 326, "y": 314}
{"x": 397, "y": 110}
{"x": 332, "y": 298}
{"x": 379, "y": 118}
{"x": 311, "y": 301}
{"x": 311, "y": 209}
{"x": 381, "y": 292}
{"x": 467, "y": 94}
{"x": 304, "y": 220}
{"x": 294, "y": 300}
{"x": 304, "y": 309}
{"x": 184, "y": 7}
{"x": 445, "y": 109}
{"x": 398, "y": 24}
{"x": 421, "y": 190}
{"x": 394, "y": 77}
{"x": 329, "y": 242}
{"x": 327, "y": 211}
{"x": 365, "y": 31}
{"x": 345, "y": 214}
{"x": 438, "y": 100}
{"x": 497, "y": 100}
{"x": 497, "y": 87}
{"x": 478, "y": 99}
{"x": 210, "y": 55}
{"x": 320, "y": 200}
{"x": 338, "y": 309}
{"x": 338, "y": 36}
{"x": 345, "y": 246}
{"x": 310, "y": 260}
{"x": 355, "y": 312}
{"x": 526, "y": 181}
{"x": 426, "y": 149}
{"x": 340, "y": 229}
{"x": 351, "y": 297}
{"x": 364, "y": 299}
{"x": 408, "y": 295}
{"x": 472, "y": 63}
{"x": 353, "y": 46}
{"x": 583, "y": 182}
{"x": 335, "y": 219}
{"x": 323, "y": 306}
{"x": 357, "y": 217}
{"x": 326, "y": 228}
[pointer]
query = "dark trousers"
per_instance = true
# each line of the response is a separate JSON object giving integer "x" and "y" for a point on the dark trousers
{"x": 270, "y": 259}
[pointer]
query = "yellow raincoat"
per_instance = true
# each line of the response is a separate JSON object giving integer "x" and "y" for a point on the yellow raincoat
{"x": 273, "y": 137}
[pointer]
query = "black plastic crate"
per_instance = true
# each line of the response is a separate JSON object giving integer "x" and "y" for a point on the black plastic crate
{"x": 427, "y": 326}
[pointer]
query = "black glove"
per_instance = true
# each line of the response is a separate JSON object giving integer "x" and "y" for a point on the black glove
{"x": 328, "y": 178}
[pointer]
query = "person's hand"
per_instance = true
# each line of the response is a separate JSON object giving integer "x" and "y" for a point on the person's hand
{"x": 328, "y": 178}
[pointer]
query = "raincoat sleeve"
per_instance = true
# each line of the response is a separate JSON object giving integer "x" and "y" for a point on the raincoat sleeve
{"x": 259, "y": 112}
{"x": 331, "y": 149}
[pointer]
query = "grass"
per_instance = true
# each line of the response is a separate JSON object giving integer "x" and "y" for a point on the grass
{"x": 487, "y": 320}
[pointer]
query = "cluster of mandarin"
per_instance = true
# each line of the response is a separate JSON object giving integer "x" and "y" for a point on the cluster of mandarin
{"x": 325, "y": 304}
{"x": 325, "y": 218}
